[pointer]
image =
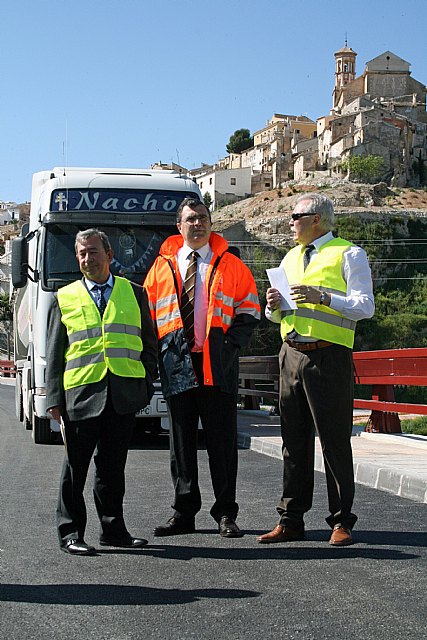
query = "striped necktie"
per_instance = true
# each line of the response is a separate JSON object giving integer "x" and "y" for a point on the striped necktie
{"x": 101, "y": 302}
{"x": 309, "y": 248}
{"x": 187, "y": 299}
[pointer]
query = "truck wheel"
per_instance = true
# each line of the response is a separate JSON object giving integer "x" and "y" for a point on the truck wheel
{"x": 19, "y": 409}
{"x": 42, "y": 433}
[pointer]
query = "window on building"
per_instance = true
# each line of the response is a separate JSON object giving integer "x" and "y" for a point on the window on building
{"x": 201, "y": 185}
{"x": 210, "y": 180}
{"x": 267, "y": 184}
{"x": 233, "y": 181}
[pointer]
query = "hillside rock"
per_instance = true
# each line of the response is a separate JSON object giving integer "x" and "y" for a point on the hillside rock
{"x": 266, "y": 215}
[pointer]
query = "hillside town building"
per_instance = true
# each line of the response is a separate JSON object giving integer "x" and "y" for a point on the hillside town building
{"x": 9, "y": 211}
{"x": 381, "y": 112}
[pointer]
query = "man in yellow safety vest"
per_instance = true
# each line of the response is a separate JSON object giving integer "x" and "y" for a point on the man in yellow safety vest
{"x": 101, "y": 360}
{"x": 330, "y": 282}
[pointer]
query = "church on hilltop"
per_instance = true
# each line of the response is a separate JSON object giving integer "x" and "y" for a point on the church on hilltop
{"x": 386, "y": 78}
{"x": 381, "y": 112}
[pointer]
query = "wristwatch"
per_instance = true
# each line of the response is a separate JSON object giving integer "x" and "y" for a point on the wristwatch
{"x": 323, "y": 297}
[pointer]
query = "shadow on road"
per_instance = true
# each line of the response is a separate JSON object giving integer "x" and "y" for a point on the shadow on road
{"x": 276, "y": 552}
{"x": 111, "y": 594}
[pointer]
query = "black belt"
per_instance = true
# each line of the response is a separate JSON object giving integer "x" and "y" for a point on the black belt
{"x": 309, "y": 346}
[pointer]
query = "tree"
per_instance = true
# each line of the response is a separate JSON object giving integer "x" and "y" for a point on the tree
{"x": 207, "y": 200}
{"x": 239, "y": 141}
{"x": 6, "y": 311}
{"x": 363, "y": 168}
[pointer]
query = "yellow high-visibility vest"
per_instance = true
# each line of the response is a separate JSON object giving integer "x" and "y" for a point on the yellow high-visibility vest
{"x": 97, "y": 345}
{"x": 325, "y": 273}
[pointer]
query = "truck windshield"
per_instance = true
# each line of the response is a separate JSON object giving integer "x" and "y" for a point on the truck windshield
{"x": 135, "y": 250}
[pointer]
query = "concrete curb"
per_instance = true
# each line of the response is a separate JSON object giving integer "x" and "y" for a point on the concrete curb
{"x": 392, "y": 463}
{"x": 7, "y": 381}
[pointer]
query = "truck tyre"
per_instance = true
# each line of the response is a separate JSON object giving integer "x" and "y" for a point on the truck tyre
{"x": 42, "y": 433}
{"x": 19, "y": 409}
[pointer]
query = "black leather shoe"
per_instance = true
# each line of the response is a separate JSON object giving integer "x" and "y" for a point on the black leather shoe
{"x": 78, "y": 548}
{"x": 175, "y": 527}
{"x": 228, "y": 528}
{"x": 123, "y": 543}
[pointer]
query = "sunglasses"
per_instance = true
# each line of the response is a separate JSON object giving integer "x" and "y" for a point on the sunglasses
{"x": 297, "y": 216}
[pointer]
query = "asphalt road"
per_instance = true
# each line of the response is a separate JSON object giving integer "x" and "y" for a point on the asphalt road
{"x": 202, "y": 586}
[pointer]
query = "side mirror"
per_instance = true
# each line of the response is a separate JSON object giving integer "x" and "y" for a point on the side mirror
{"x": 19, "y": 262}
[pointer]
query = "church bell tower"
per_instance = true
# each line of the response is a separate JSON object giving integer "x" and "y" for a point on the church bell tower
{"x": 345, "y": 69}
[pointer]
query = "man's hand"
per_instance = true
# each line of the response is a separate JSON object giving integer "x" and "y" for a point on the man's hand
{"x": 56, "y": 413}
{"x": 273, "y": 298}
{"x": 303, "y": 294}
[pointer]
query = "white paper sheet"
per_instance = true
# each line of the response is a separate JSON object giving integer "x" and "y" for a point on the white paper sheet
{"x": 279, "y": 281}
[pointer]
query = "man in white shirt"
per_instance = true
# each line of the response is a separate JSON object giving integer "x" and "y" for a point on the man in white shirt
{"x": 330, "y": 280}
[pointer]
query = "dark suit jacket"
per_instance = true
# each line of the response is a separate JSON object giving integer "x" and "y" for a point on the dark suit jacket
{"x": 128, "y": 395}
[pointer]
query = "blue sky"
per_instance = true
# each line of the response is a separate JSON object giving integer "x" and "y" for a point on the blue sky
{"x": 125, "y": 83}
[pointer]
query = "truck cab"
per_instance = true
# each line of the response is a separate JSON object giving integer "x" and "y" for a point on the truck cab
{"x": 137, "y": 210}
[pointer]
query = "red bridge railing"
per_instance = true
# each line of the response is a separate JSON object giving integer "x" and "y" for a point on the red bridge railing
{"x": 259, "y": 377}
{"x": 7, "y": 369}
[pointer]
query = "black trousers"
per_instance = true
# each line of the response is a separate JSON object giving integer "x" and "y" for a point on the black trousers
{"x": 218, "y": 414}
{"x": 316, "y": 395}
{"x": 108, "y": 435}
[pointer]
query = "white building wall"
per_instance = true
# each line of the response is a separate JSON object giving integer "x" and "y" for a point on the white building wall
{"x": 228, "y": 184}
{"x": 234, "y": 181}
{"x": 206, "y": 184}
{"x": 253, "y": 158}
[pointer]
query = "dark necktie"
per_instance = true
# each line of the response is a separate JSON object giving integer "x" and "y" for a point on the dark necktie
{"x": 101, "y": 302}
{"x": 187, "y": 299}
{"x": 309, "y": 248}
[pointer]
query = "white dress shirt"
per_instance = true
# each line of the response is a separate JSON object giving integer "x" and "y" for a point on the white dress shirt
{"x": 358, "y": 303}
{"x": 107, "y": 291}
{"x": 201, "y": 294}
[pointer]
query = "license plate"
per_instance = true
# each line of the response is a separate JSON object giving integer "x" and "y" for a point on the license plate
{"x": 146, "y": 411}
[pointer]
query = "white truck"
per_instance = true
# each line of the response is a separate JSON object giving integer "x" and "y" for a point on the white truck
{"x": 137, "y": 210}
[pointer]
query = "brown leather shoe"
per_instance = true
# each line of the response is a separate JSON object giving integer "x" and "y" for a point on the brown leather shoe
{"x": 341, "y": 536}
{"x": 281, "y": 533}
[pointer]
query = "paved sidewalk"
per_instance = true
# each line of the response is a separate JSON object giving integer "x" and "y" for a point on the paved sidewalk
{"x": 394, "y": 463}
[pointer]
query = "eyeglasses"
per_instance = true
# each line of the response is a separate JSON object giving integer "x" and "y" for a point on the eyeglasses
{"x": 203, "y": 219}
{"x": 297, "y": 216}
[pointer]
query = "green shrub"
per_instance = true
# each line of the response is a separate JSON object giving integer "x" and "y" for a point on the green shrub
{"x": 417, "y": 426}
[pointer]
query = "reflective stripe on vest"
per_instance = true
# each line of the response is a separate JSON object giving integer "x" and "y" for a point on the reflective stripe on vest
{"x": 96, "y": 346}
{"x": 324, "y": 272}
